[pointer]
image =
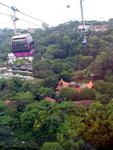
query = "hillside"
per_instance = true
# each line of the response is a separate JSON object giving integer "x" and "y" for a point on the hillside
{"x": 68, "y": 105}
{"x": 59, "y": 52}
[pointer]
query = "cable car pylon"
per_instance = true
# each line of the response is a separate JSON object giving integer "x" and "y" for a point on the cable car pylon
{"x": 84, "y": 42}
{"x": 14, "y": 19}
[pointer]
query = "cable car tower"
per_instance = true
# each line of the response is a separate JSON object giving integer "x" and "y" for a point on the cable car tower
{"x": 14, "y": 18}
{"x": 83, "y": 30}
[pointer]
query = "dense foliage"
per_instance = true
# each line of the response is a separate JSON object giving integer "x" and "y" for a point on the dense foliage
{"x": 60, "y": 54}
{"x": 45, "y": 125}
{"x": 29, "y": 122}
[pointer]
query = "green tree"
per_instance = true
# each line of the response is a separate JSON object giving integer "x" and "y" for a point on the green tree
{"x": 69, "y": 133}
{"x": 14, "y": 85}
{"x": 99, "y": 126}
{"x": 105, "y": 89}
{"x": 27, "y": 119}
{"x": 84, "y": 61}
{"x": 25, "y": 97}
{"x": 67, "y": 93}
{"x": 51, "y": 146}
{"x": 65, "y": 75}
{"x": 45, "y": 91}
{"x": 51, "y": 81}
{"x": 86, "y": 94}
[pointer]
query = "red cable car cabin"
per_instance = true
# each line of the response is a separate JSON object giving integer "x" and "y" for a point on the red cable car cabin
{"x": 23, "y": 45}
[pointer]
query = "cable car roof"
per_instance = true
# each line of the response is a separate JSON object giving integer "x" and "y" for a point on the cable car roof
{"x": 20, "y": 36}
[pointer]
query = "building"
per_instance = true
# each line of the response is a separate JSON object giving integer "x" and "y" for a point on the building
{"x": 100, "y": 28}
{"x": 77, "y": 86}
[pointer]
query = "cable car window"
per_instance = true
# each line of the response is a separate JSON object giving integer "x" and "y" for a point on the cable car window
{"x": 19, "y": 45}
{"x": 22, "y": 47}
{"x": 19, "y": 41}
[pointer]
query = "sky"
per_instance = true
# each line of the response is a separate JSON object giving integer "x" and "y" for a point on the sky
{"x": 54, "y": 12}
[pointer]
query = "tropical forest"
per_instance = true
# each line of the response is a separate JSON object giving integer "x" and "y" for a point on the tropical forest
{"x": 67, "y": 102}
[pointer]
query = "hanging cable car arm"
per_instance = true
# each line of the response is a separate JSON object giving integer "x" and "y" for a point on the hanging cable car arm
{"x": 82, "y": 14}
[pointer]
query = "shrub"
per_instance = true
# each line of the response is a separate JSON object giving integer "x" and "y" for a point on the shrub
{"x": 86, "y": 94}
{"x": 67, "y": 93}
{"x": 51, "y": 146}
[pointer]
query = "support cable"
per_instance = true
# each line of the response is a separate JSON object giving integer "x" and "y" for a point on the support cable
{"x": 19, "y": 19}
{"x": 15, "y": 9}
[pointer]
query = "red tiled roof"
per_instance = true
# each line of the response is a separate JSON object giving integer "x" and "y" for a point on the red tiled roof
{"x": 62, "y": 84}
{"x": 90, "y": 84}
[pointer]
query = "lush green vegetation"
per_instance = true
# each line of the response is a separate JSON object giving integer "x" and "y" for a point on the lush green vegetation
{"x": 26, "y": 123}
{"x": 60, "y": 54}
{"x": 29, "y": 122}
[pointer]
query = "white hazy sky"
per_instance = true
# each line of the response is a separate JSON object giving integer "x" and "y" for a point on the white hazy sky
{"x": 55, "y": 12}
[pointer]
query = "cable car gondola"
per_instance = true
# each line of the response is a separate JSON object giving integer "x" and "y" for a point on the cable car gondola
{"x": 84, "y": 29}
{"x": 23, "y": 45}
{"x": 84, "y": 43}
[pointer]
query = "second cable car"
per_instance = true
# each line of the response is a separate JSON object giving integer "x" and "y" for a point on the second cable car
{"x": 23, "y": 45}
